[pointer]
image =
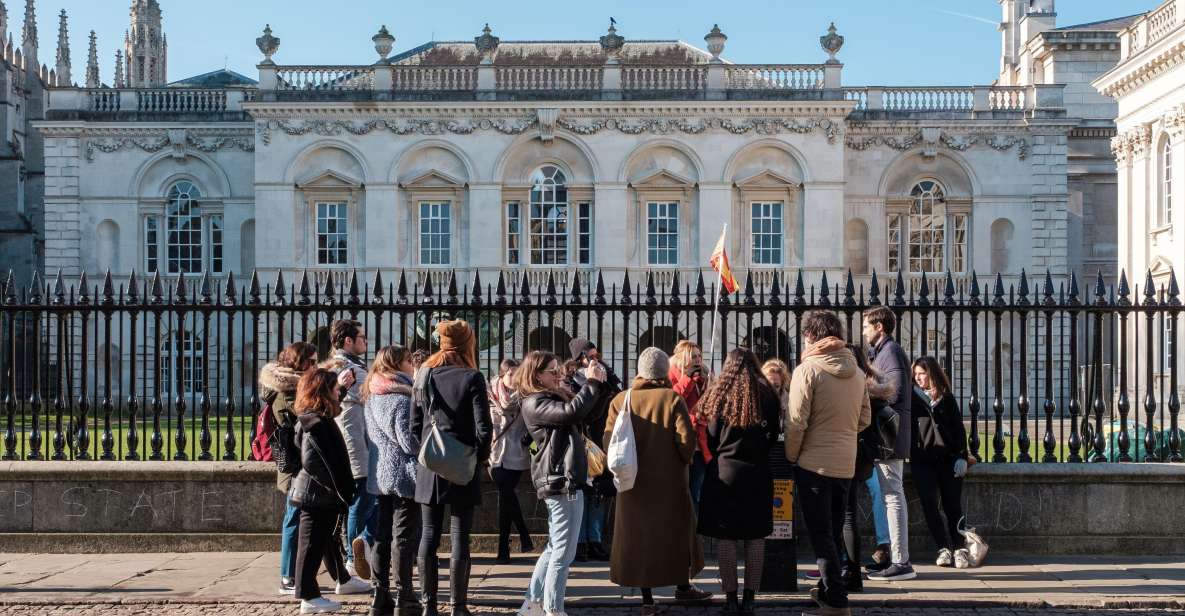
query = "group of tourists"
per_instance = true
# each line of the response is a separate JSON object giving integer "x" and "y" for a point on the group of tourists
{"x": 371, "y": 458}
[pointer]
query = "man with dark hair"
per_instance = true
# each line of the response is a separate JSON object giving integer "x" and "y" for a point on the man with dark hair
{"x": 349, "y": 347}
{"x": 590, "y": 542}
{"x": 828, "y": 408}
{"x": 890, "y": 361}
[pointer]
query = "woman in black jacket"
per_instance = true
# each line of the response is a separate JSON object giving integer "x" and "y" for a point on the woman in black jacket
{"x": 939, "y": 457}
{"x": 741, "y": 413}
{"x": 322, "y": 490}
{"x": 452, "y": 394}
{"x": 559, "y": 469}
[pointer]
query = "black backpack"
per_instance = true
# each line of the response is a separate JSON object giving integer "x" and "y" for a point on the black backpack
{"x": 284, "y": 449}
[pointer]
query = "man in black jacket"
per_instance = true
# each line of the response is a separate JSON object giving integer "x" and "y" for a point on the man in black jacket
{"x": 592, "y": 526}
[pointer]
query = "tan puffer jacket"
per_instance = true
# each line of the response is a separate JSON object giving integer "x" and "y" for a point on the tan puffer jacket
{"x": 828, "y": 408}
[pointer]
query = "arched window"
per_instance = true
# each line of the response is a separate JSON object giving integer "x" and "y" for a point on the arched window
{"x": 1166, "y": 184}
{"x": 187, "y": 238}
{"x": 929, "y": 238}
{"x": 548, "y": 217}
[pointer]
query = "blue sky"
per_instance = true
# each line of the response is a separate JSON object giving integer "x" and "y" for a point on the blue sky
{"x": 889, "y": 42}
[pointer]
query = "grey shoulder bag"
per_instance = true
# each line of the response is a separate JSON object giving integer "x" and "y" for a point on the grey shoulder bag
{"x": 441, "y": 452}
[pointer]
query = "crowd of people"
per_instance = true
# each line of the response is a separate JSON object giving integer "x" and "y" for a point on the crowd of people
{"x": 371, "y": 458}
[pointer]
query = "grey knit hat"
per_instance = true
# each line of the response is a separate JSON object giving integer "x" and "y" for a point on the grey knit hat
{"x": 653, "y": 364}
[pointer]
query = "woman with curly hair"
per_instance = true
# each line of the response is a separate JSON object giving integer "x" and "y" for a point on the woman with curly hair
{"x": 740, "y": 411}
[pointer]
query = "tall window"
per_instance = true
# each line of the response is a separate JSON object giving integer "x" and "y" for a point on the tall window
{"x": 513, "y": 232}
{"x": 183, "y": 220}
{"x": 184, "y": 238}
{"x": 181, "y": 362}
{"x": 436, "y": 231}
{"x": 548, "y": 223}
{"x": 766, "y": 232}
{"x": 332, "y": 233}
{"x": 928, "y": 239}
{"x": 662, "y": 233}
{"x": 1166, "y": 197}
{"x": 584, "y": 233}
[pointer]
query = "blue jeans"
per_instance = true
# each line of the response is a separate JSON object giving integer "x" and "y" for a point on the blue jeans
{"x": 880, "y": 515}
{"x": 695, "y": 476}
{"x": 288, "y": 532}
{"x": 550, "y": 578}
{"x": 362, "y": 520}
{"x": 592, "y": 527}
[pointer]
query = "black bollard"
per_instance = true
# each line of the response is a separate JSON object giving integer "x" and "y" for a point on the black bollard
{"x": 780, "y": 573}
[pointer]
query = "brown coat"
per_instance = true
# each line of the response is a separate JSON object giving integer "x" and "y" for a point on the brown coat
{"x": 654, "y": 541}
{"x": 828, "y": 407}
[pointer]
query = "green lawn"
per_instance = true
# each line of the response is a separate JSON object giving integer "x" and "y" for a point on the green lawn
{"x": 120, "y": 431}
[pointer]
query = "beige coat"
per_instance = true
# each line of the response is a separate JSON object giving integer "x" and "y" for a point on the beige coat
{"x": 654, "y": 541}
{"x": 828, "y": 408}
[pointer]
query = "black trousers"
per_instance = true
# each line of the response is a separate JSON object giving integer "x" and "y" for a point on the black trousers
{"x": 460, "y": 522}
{"x": 937, "y": 486}
{"x": 823, "y": 500}
{"x": 851, "y": 528}
{"x": 402, "y": 515}
{"x": 315, "y": 542}
{"x": 510, "y": 512}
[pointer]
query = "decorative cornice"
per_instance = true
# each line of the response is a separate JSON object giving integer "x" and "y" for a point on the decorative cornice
{"x": 1139, "y": 69}
{"x": 182, "y": 141}
{"x": 546, "y": 119}
{"x": 929, "y": 138}
{"x": 1131, "y": 144}
{"x": 836, "y": 110}
{"x": 1173, "y": 122}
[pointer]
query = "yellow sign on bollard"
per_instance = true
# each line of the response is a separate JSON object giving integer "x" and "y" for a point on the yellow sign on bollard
{"x": 783, "y": 509}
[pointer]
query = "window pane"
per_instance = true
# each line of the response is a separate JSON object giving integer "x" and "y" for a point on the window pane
{"x": 584, "y": 233}
{"x": 216, "y": 244}
{"x": 435, "y": 233}
{"x": 332, "y": 234}
{"x": 151, "y": 245}
{"x": 548, "y": 224}
{"x": 662, "y": 233}
{"x": 183, "y": 224}
{"x": 927, "y": 228}
{"x": 766, "y": 236}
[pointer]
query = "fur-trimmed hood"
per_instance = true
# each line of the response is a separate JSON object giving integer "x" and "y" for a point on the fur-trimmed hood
{"x": 281, "y": 379}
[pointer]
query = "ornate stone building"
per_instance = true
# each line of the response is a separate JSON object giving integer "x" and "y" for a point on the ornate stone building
{"x": 1149, "y": 85}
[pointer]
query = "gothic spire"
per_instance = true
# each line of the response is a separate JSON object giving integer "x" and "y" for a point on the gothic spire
{"x": 3, "y": 22}
{"x": 119, "y": 81}
{"x": 29, "y": 34}
{"x": 92, "y": 63}
{"x": 63, "y": 60}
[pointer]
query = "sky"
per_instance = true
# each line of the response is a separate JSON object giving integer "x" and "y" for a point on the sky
{"x": 888, "y": 42}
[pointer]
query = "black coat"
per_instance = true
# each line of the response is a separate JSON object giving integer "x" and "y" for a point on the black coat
{"x": 560, "y": 463}
{"x": 325, "y": 480}
{"x": 462, "y": 410}
{"x": 738, "y": 492}
{"x": 938, "y": 432}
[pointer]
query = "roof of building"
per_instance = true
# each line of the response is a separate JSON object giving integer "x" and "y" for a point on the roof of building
{"x": 1115, "y": 23}
{"x": 220, "y": 78}
{"x": 553, "y": 52}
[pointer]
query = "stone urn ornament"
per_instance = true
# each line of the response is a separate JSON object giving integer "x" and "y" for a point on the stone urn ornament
{"x": 268, "y": 44}
{"x": 831, "y": 43}
{"x": 487, "y": 45}
{"x": 383, "y": 42}
{"x": 613, "y": 43}
{"x": 715, "y": 40}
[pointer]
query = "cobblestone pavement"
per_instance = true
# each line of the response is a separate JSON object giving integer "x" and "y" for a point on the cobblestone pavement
{"x": 287, "y": 609}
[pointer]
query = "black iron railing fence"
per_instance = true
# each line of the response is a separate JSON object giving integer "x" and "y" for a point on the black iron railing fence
{"x": 166, "y": 369}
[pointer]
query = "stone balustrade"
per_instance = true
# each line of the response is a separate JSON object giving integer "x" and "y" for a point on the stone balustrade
{"x": 181, "y": 99}
{"x": 550, "y": 78}
{"x": 433, "y": 78}
{"x": 664, "y": 78}
{"x": 775, "y": 76}
{"x": 325, "y": 77}
{"x": 1151, "y": 28}
{"x": 954, "y": 98}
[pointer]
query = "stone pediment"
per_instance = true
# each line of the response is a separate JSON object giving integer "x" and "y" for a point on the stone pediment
{"x": 767, "y": 179}
{"x": 433, "y": 179}
{"x": 330, "y": 179}
{"x": 661, "y": 178}
{"x": 1161, "y": 267}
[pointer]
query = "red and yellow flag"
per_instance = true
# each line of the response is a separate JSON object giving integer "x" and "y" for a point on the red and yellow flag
{"x": 719, "y": 261}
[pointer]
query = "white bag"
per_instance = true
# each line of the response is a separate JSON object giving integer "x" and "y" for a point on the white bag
{"x": 976, "y": 546}
{"x": 623, "y": 449}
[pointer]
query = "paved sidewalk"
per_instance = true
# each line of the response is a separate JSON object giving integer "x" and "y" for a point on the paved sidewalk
{"x": 91, "y": 583}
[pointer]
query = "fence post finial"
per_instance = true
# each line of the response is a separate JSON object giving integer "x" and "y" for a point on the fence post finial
{"x": 625, "y": 290}
{"x": 551, "y": 298}
{"x": 675, "y": 300}
{"x": 1100, "y": 290}
{"x": 750, "y": 298}
{"x": 1174, "y": 291}
{"x": 354, "y": 290}
{"x": 524, "y": 290}
{"x": 303, "y": 289}
{"x": 377, "y": 291}
{"x": 799, "y": 290}
{"x": 59, "y": 289}
{"x": 1124, "y": 290}
{"x": 775, "y": 290}
{"x": 476, "y": 297}
{"x": 998, "y": 292}
{"x": 874, "y": 290}
{"x": 599, "y": 299}
{"x": 1048, "y": 290}
{"x": 133, "y": 293}
{"x": 899, "y": 292}
{"x": 401, "y": 287}
{"x": 1023, "y": 292}
{"x": 701, "y": 292}
{"x": 500, "y": 289}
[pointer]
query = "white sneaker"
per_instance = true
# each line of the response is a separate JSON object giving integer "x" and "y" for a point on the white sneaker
{"x": 531, "y": 608}
{"x": 353, "y": 586}
{"x": 320, "y": 605}
{"x": 351, "y": 569}
{"x": 962, "y": 559}
{"x": 945, "y": 558}
{"x": 287, "y": 586}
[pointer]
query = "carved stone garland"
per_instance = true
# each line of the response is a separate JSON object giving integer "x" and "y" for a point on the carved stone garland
{"x": 958, "y": 143}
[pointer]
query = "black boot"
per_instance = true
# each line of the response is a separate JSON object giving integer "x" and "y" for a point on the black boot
{"x": 405, "y": 591}
{"x": 852, "y": 579}
{"x": 748, "y": 603}
{"x": 381, "y": 603}
{"x": 731, "y": 607}
{"x": 429, "y": 582}
{"x": 525, "y": 545}
{"x": 458, "y": 572}
{"x": 503, "y": 557}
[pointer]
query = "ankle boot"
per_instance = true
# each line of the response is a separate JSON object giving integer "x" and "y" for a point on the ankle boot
{"x": 731, "y": 607}
{"x": 429, "y": 581}
{"x": 405, "y": 591}
{"x": 458, "y": 572}
{"x": 853, "y": 581}
{"x": 525, "y": 545}
{"x": 748, "y": 603}
{"x": 380, "y": 556}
